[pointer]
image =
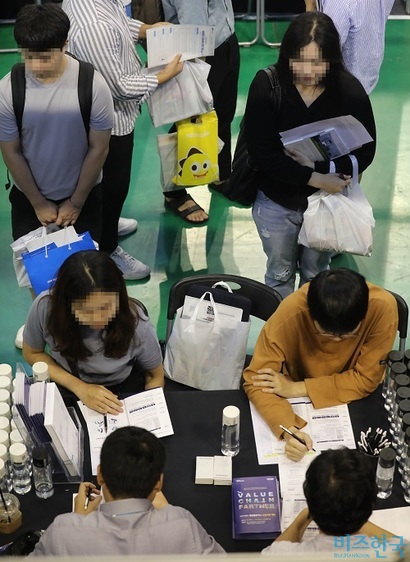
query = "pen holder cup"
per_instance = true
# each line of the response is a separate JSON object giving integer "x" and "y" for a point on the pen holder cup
{"x": 372, "y": 441}
{"x": 10, "y": 514}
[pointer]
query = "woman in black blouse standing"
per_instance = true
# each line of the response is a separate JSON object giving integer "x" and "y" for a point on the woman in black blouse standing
{"x": 314, "y": 86}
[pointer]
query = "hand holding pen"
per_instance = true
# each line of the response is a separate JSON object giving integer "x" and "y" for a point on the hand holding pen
{"x": 88, "y": 498}
{"x": 297, "y": 444}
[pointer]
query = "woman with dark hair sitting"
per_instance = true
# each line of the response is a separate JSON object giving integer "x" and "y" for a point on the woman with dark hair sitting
{"x": 96, "y": 335}
{"x": 314, "y": 85}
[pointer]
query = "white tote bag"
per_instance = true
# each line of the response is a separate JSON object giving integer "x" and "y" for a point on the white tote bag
{"x": 338, "y": 222}
{"x": 182, "y": 96}
{"x": 206, "y": 355}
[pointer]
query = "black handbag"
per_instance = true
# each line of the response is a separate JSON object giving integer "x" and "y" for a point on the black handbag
{"x": 241, "y": 186}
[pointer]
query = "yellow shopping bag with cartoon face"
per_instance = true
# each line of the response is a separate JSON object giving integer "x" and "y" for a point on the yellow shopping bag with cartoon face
{"x": 197, "y": 150}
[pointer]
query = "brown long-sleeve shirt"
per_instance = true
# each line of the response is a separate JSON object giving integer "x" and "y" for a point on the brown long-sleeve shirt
{"x": 335, "y": 372}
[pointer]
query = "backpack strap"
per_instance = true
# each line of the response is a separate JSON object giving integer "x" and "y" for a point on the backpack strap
{"x": 85, "y": 92}
{"x": 18, "y": 92}
{"x": 276, "y": 92}
{"x": 85, "y": 95}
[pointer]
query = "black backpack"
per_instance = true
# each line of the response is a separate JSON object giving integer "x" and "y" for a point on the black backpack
{"x": 241, "y": 186}
{"x": 85, "y": 94}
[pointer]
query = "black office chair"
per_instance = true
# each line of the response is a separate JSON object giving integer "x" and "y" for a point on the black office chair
{"x": 402, "y": 327}
{"x": 264, "y": 299}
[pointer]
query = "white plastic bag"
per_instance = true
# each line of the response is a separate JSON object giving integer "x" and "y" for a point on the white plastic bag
{"x": 183, "y": 96}
{"x": 338, "y": 222}
{"x": 167, "y": 150}
{"x": 206, "y": 355}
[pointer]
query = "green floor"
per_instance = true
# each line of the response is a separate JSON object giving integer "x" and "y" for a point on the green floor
{"x": 229, "y": 242}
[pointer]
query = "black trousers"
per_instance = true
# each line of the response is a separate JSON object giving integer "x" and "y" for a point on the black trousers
{"x": 115, "y": 185}
{"x": 223, "y": 82}
{"x": 24, "y": 218}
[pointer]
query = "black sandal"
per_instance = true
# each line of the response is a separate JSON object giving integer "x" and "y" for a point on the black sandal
{"x": 175, "y": 203}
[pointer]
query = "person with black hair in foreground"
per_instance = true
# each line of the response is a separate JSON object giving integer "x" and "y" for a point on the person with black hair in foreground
{"x": 340, "y": 491}
{"x": 135, "y": 517}
{"x": 329, "y": 341}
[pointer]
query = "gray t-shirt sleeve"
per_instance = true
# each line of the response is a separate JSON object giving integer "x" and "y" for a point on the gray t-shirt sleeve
{"x": 147, "y": 351}
{"x": 35, "y": 327}
{"x": 8, "y": 125}
{"x": 102, "y": 111}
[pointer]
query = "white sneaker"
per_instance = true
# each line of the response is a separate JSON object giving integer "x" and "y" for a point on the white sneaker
{"x": 131, "y": 267}
{"x": 18, "y": 342}
{"x": 126, "y": 226}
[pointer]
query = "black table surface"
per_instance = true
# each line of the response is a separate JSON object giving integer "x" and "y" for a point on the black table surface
{"x": 196, "y": 417}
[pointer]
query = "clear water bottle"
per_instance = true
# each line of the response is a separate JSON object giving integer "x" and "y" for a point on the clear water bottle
{"x": 5, "y": 410}
{"x": 397, "y": 432}
{"x": 230, "y": 431}
{"x": 395, "y": 369}
{"x": 42, "y": 474}
{"x": 5, "y": 423}
{"x": 4, "y": 438}
{"x": 4, "y": 456}
{"x": 401, "y": 393}
{"x": 40, "y": 372}
{"x": 404, "y": 458}
{"x": 395, "y": 356}
{"x": 20, "y": 472}
{"x": 16, "y": 437}
{"x": 4, "y": 486}
{"x": 5, "y": 382}
{"x": 385, "y": 472}
{"x": 6, "y": 370}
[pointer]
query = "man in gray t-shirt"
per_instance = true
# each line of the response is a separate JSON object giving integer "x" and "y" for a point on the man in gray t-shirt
{"x": 55, "y": 163}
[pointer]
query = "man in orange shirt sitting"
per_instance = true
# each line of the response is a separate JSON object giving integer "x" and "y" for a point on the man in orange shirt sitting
{"x": 328, "y": 341}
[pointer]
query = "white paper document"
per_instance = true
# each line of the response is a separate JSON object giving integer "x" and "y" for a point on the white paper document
{"x": 147, "y": 409}
{"x": 291, "y": 507}
{"x": 62, "y": 429}
{"x": 292, "y": 475}
{"x": 192, "y": 41}
{"x": 329, "y": 428}
{"x": 327, "y": 139}
{"x": 394, "y": 519}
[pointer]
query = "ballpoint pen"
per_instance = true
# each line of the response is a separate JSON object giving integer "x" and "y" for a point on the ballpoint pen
{"x": 87, "y": 498}
{"x": 286, "y": 430}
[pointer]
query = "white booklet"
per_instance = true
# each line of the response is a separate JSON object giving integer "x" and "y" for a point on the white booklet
{"x": 330, "y": 428}
{"x": 192, "y": 41}
{"x": 62, "y": 429}
{"x": 327, "y": 139}
{"x": 146, "y": 409}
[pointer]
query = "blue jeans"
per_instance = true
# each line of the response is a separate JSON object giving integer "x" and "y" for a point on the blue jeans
{"x": 278, "y": 229}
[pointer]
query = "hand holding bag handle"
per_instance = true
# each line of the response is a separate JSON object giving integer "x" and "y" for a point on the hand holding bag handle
{"x": 339, "y": 222}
